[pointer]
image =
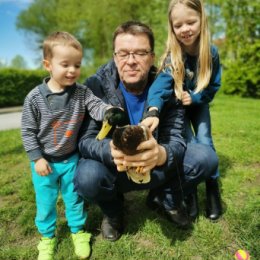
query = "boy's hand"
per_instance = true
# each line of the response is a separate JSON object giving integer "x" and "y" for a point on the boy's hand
{"x": 42, "y": 167}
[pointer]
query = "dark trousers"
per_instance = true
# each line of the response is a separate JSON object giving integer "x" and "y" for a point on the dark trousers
{"x": 99, "y": 184}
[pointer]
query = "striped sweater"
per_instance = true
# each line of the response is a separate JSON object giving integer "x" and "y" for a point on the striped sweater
{"x": 51, "y": 122}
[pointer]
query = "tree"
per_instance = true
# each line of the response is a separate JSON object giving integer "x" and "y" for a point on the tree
{"x": 91, "y": 21}
{"x": 242, "y": 43}
{"x": 236, "y": 23}
{"x": 215, "y": 18}
{"x": 18, "y": 62}
{"x": 3, "y": 63}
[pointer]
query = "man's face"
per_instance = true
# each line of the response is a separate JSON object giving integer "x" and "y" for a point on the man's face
{"x": 133, "y": 58}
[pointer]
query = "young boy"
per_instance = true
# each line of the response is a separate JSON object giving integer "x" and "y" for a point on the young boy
{"x": 51, "y": 119}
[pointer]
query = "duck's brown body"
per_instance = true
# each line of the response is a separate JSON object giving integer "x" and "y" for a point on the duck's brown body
{"x": 127, "y": 139}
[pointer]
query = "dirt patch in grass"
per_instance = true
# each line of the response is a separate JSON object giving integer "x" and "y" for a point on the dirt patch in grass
{"x": 254, "y": 182}
{"x": 145, "y": 243}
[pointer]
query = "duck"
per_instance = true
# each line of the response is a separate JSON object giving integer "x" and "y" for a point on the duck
{"x": 127, "y": 138}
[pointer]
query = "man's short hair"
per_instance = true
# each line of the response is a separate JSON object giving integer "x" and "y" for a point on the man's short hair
{"x": 134, "y": 28}
{"x": 59, "y": 38}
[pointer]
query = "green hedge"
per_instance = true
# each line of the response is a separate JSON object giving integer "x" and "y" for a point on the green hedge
{"x": 242, "y": 75}
{"x": 15, "y": 84}
{"x": 242, "y": 80}
{"x": 239, "y": 78}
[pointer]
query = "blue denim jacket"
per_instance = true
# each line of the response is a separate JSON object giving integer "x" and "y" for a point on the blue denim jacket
{"x": 162, "y": 88}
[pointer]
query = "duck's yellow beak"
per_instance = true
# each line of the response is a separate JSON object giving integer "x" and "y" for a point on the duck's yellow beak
{"x": 104, "y": 130}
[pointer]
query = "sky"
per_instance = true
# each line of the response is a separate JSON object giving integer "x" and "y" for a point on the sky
{"x": 12, "y": 41}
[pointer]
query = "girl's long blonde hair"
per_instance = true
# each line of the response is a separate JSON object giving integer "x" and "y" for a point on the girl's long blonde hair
{"x": 173, "y": 47}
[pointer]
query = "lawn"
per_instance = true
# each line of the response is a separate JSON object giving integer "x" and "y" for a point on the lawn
{"x": 149, "y": 236}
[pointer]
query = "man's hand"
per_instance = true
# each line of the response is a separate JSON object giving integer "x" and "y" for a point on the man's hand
{"x": 186, "y": 98}
{"x": 150, "y": 155}
{"x": 42, "y": 167}
{"x": 118, "y": 157}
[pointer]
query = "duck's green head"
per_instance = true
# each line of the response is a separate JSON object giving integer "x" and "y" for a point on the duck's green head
{"x": 113, "y": 117}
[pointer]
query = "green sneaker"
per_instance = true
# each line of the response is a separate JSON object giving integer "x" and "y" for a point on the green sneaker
{"x": 81, "y": 244}
{"x": 46, "y": 248}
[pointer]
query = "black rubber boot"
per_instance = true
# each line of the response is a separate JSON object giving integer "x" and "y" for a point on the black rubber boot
{"x": 213, "y": 200}
{"x": 192, "y": 205}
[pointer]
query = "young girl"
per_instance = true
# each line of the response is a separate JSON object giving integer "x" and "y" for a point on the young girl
{"x": 191, "y": 67}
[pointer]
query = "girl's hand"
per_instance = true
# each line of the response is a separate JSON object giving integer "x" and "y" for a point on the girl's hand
{"x": 150, "y": 122}
{"x": 42, "y": 167}
{"x": 151, "y": 118}
{"x": 186, "y": 98}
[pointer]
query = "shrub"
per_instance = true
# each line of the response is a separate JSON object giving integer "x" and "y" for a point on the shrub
{"x": 242, "y": 76}
{"x": 16, "y": 83}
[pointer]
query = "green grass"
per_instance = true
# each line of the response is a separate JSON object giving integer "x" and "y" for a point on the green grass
{"x": 148, "y": 236}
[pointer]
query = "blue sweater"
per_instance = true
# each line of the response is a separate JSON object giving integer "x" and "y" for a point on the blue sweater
{"x": 162, "y": 87}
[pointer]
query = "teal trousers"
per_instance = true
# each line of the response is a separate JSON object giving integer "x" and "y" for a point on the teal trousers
{"x": 47, "y": 189}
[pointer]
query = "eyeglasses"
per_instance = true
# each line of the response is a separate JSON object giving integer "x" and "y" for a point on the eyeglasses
{"x": 137, "y": 55}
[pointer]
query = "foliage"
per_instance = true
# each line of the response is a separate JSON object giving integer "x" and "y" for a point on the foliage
{"x": 240, "y": 47}
{"x": 243, "y": 76}
{"x": 215, "y": 19}
{"x": 18, "y": 62}
{"x": 16, "y": 83}
{"x": 93, "y": 23}
{"x": 242, "y": 25}
{"x": 147, "y": 235}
